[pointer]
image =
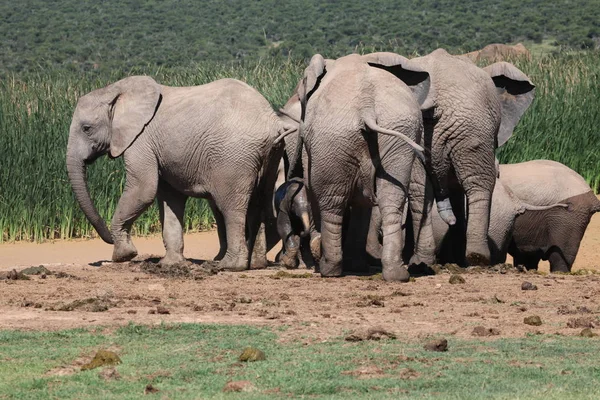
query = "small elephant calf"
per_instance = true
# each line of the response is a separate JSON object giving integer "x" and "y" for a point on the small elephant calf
{"x": 294, "y": 223}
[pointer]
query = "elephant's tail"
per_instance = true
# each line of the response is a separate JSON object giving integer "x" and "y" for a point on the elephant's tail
{"x": 296, "y": 169}
{"x": 596, "y": 208}
{"x": 288, "y": 129}
{"x": 531, "y": 207}
{"x": 418, "y": 149}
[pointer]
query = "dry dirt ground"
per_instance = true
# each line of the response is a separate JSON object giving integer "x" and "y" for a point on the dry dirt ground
{"x": 83, "y": 289}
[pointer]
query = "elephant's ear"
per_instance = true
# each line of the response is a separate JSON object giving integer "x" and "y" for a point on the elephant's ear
{"x": 516, "y": 93}
{"x": 312, "y": 76}
{"x": 409, "y": 72}
{"x": 133, "y": 106}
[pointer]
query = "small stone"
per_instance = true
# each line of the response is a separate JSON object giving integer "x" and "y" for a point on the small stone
{"x": 239, "y": 386}
{"x": 437, "y": 345}
{"x": 252, "y": 354}
{"x": 456, "y": 279}
{"x": 484, "y": 332}
{"x": 131, "y": 312}
{"x": 533, "y": 320}
{"x": 152, "y": 311}
{"x": 587, "y": 332}
{"x": 101, "y": 359}
{"x": 528, "y": 286}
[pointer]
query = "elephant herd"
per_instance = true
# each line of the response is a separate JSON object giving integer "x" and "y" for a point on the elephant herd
{"x": 345, "y": 174}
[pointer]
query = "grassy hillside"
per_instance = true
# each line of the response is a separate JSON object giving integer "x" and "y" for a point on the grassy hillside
{"x": 94, "y": 35}
{"x": 36, "y": 201}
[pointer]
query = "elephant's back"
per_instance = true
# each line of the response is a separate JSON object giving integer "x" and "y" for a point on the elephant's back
{"x": 543, "y": 182}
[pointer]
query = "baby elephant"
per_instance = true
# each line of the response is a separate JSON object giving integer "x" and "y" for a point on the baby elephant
{"x": 294, "y": 223}
{"x": 554, "y": 234}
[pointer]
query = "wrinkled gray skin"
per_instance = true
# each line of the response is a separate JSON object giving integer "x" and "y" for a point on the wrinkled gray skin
{"x": 555, "y": 234}
{"x": 473, "y": 110}
{"x": 213, "y": 141}
{"x": 360, "y": 125}
{"x": 294, "y": 222}
{"x": 506, "y": 209}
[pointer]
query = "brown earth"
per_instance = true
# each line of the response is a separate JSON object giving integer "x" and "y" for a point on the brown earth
{"x": 102, "y": 293}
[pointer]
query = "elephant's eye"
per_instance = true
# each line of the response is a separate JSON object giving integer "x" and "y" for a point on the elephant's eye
{"x": 86, "y": 128}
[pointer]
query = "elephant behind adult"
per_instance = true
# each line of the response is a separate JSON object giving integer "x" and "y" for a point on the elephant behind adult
{"x": 473, "y": 111}
{"x": 553, "y": 235}
{"x": 213, "y": 141}
{"x": 360, "y": 125}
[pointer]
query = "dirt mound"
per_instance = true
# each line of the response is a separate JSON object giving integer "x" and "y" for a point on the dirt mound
{"x": 185, "y": 269}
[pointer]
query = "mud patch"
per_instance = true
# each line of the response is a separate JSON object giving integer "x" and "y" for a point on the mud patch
{"x": 185, "y": 269}
{"x": 91, "y": 304}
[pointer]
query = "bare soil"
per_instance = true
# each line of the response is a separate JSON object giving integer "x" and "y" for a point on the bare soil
{"x": 83, "y": 289}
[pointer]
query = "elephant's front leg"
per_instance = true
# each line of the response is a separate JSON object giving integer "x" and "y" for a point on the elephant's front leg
{"x": 140, "y": 190}
{"x": 391, "y": 198}
{"x": 421, "y": 196}
{"x": 171, "y": 205}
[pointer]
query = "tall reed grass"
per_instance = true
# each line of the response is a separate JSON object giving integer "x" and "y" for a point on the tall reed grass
{"x": 36, "y": 201}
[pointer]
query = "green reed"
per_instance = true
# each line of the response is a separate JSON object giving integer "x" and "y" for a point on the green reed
{"x": 36, "y": 201}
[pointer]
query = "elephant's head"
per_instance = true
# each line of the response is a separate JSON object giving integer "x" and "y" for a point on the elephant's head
{"x": 516, "y": 93}
{"x": 292, "y": 198}
{"x": 107, "y": 120}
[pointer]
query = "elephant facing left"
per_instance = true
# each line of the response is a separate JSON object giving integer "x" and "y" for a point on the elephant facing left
{"x": 214, "y": 141}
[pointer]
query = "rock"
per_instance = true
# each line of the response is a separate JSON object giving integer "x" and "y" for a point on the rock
{"x": 14, "y": 276}
{"x": 101, "y": 359}
{"x": 456, "y": 279}
{"x": 484, "y": 332}
{"x": 252, "y": 354}
{"x": 528, "y": 286}
{"x": 534, "y": 320}
{"x": 587, "y": 332}
{"x": 437, "y": 345}
{"x": 239, "y": 386}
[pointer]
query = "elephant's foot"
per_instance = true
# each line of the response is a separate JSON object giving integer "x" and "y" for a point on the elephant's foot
{"x": 124, "y": 251}
{"x": 289, "y": 260}
{"x": 422, "y": 259}
{"x": 221, "y": 254}
{"x": 315, "y": 247}
{"x": 558, "y": 262}
{"x": 259, "y": 262}
{"x": 171, "y": 259}
{"x": 330, "y": 269}
{"x": 233, "y": 263}
{"x": 395, "y": 273}
{"x": 478, "y": 259}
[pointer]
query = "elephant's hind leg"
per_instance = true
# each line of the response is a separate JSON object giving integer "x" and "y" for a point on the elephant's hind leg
{"x": 220, "y": 221}
{"x": 171, "y": 205}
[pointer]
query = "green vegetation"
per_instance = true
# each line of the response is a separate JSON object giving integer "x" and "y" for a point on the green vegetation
{"x": 38, "y": 35}
{"x": 190, "y": 361}
{"x": 36, "y": 201}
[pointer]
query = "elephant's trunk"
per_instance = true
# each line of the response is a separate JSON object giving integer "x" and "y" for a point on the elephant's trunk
{"x": 305, "y": 223}
{"x": 77, "y": 176}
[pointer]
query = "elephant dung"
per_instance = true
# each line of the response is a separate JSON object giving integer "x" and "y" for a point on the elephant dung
{"x": 587, "y": 332}
{"x": 252, "y": 354}
{"x": 533, "y": 320}
{"x": 437, "y": 345}
{"x": 101, "y": 359}
{"x": 483, "y": 332}
{"x": 528, "y": 286}
{"x": 456, "y": 279}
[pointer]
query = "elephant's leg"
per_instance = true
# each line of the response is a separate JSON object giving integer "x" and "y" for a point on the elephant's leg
{"x": 305, "y": 257}
{"x": 390, "y": 198}
{"x": 558, "y": 261}
{"x": 291, "y": 242}
{"x": 355, "y": 242}
{"x": 476, "y": 172}
{"x": 331, "y": 242}
{"x": 420, "y": 202}
{"x": 374, "y": 247}
{"x": 171, "y": 205}
{"x": 139, "y": 193}
{"x": 233, "y": 203}
{"x": 255, "y": 233}
{"x": 220, "y": 230}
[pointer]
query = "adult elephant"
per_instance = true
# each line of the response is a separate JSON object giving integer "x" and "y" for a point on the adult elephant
{"x": 360, "y": 127}
{"x": 473, "y": 110}
{"x": 213, "y": 141}
{"x": 555, "y": 234}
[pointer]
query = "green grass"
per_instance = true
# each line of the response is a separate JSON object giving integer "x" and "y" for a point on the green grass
{"x": 36, "y": 202}
{"x": 190, "y": 361}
